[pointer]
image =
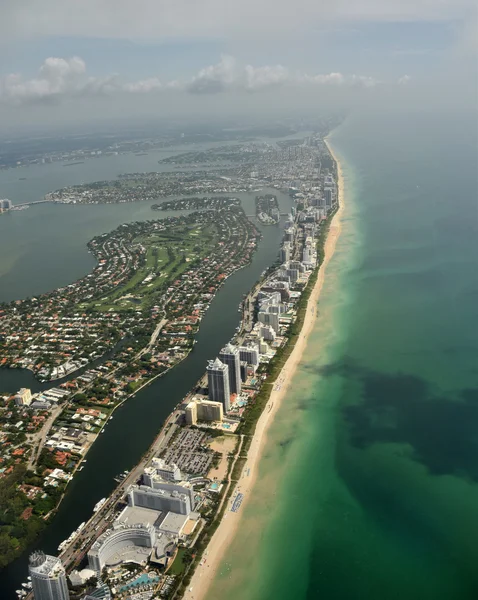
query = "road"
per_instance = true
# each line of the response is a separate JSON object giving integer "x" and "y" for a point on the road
{"x": 39, "y": 438}
{"x": 102, "y": 519}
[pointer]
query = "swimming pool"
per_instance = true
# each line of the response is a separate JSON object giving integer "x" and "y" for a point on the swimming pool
{"x": 141, "y": 580}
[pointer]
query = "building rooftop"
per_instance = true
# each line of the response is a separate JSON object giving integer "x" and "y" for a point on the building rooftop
{"x": 174, "y": 523}
{"x": 135, "y": 515}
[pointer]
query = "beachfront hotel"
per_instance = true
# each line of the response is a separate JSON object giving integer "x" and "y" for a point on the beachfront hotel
{"x": 218, "y": 383}
{"x": 229, "y": 355}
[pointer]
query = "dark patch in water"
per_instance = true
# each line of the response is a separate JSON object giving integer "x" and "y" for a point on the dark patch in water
{"x": 401, "y": 408}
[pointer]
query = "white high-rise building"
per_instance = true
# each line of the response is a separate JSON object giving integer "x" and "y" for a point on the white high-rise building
{"x": 269, "y": 318}
{"x": 267, "y": 333}
{"x": 229, "y": 355}
{"x": 218, "y": 383}
{"x": 48, "y": 577}
{"x": 159, "y": 467}
{"x": 249, "y": 354}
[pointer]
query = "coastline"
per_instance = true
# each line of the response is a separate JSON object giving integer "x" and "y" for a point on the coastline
{"x": 206, "y": 571}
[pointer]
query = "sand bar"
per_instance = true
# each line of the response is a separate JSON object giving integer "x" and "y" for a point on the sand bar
{"x": 224, "y": 534}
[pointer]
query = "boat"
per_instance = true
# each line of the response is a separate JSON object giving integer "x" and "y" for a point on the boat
{"x": 99, "y": 504}
{"x": 121, "y": 476}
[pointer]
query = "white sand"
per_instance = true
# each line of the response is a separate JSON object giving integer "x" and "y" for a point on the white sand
{"x": 205, "y": 573}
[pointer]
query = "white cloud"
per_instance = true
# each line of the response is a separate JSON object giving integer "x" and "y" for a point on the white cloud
{"x": 215, "y": 78}
{"x": 257, "y": 78}
{"x": 56, "y": 77}
{"x": 60, "y": 78}
{"x": 404, "y": 79}
{"x": 184, "y": 19}
{"x": 330, "y": 78}
{"x": 228, "y": 75}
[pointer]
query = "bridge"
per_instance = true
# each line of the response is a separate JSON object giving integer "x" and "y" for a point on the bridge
{"x": 14, "y": 206}
{"x": 254, "y": 216}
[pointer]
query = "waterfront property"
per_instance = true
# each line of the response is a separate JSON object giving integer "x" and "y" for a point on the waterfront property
{"x": 249, "y": 359}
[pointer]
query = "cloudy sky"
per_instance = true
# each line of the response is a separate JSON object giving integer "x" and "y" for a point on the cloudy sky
{"x": 60, "y": 58}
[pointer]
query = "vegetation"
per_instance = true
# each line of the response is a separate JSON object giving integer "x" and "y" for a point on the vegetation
{"x": 19, "y": 526}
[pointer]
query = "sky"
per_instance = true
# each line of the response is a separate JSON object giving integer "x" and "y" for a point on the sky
{"x": 70, "y": 60}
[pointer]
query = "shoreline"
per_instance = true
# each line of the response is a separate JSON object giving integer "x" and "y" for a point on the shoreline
{"x": 206, "y": 571}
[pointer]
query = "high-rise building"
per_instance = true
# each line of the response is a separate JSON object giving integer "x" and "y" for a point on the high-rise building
{"x": 307, "y": 255}
{"x": 152, "y": 478}
{"x": 203, "y": 410}
{"x": 162, "y": 499}
{"x": 229, "y": 355}
{"x": 23, "y": 397}
{"x": 269, "y": 318}
{"x": 267, "y": 333}
{"x": 191, "y": 413}
{"x": 249, "y": 354}
{"x": 328, "y": 196}
{"x": 218, "y": 383}
{"x": 5, "y": 204}
{"x": 165, "y": 471}
{"x": 113, "y": 543}
{"x": 48, "y": 577}
{"x": 284, "y": 253}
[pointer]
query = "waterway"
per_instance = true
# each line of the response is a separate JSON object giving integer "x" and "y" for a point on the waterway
{"x": 137, "y": 422}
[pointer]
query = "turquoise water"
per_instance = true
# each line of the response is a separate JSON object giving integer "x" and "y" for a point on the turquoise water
{"x": 368, "y": 488}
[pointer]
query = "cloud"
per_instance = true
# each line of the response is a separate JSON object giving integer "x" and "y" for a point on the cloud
{"x": 214, "y": 78}
{"x": 404, "y": 79}
{"x": 60, "y": 78}
{"x": 57, "y": 77}
{"x": 227, "y": 76}
{"x": 183, "y": 19}
{"x": 257, "y": 78}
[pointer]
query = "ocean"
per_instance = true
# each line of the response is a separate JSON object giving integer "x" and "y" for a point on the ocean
{"x": 368, "y": 486}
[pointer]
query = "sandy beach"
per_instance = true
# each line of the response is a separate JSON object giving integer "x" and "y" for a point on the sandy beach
{"x": 206, "y": 570}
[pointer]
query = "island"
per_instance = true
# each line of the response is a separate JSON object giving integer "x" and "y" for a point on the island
{"x": 214, "y": 203}
{"x": 267, "y": 209}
